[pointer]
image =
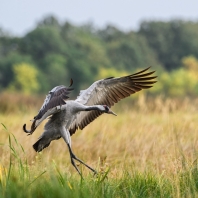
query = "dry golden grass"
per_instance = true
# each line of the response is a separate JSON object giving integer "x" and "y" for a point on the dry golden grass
{"x": 160, "y": 135}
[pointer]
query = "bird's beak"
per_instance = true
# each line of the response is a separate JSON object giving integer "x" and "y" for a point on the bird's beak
{"x": 111, "y": 112}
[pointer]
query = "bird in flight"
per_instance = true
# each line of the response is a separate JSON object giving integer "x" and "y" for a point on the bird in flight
{"x": 66, "y": 116}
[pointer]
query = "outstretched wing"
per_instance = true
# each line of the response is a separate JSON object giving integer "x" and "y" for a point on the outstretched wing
{"x": 55, "y": 98}
{"x": 108, "y": 92}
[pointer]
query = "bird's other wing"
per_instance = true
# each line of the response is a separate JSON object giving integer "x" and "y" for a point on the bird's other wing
{"x": 108, "y": 92}
{"x": 55, "y": 98}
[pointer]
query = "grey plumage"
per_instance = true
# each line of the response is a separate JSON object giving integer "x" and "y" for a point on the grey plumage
{"x": 68, "y": 116}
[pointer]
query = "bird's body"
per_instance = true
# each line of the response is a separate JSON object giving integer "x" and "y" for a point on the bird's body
{"x": 53, "y": 129}
{"x": 68, "y": 116}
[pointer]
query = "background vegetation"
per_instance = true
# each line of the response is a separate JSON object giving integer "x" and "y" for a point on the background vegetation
{"x": 54, "y": 52}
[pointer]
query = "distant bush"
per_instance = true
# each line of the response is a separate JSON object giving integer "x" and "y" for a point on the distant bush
{"x": 180, "y": 82}
{"x": 25, "y": 78}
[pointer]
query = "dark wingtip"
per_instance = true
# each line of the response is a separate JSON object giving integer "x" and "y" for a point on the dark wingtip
{"x": 40, "y": 145}
{"x": 31, "y": 130}
{"x": 24, "y": 128}
{"x": 71, "y": 82}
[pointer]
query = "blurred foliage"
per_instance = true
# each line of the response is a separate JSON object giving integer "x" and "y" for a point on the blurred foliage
{"x": 25, "y": 78}
{"x": 191, "y": 63}
{"x": 171, "y": 41}
{"x": 60, "y": 51}
{"x": 110, "y": 72}
{"x": 180, "y": 82}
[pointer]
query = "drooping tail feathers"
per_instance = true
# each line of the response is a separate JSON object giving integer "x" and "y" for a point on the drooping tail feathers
{"x": 40, "y": 145}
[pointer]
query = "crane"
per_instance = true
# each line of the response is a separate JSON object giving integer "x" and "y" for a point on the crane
{"x": 67, "y": 116}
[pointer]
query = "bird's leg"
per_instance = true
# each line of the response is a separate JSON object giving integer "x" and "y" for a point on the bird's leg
{"x": 77, "y": 159}
{"x": 72, "y": 160}
{"x": 66, "y": 136}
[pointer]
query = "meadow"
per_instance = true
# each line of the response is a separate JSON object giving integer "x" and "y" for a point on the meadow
{"x": 149, "y": 150}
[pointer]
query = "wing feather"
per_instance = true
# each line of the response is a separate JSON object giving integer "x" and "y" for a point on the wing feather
{"x": 56, "y": 97}
{"x": 108, "y": 92}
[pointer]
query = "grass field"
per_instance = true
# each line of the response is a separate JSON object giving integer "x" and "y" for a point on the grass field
{"x": 149, "y": 150}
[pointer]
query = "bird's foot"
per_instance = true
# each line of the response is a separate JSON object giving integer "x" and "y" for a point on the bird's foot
{"x": 74, "y": 164}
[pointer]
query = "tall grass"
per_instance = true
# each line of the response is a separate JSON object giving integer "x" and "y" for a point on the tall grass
{"x": 21, "y": 180}
{"x": 148, "y": 150}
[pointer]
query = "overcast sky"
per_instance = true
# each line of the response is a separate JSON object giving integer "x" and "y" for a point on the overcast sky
{"x": 20, "y": 16}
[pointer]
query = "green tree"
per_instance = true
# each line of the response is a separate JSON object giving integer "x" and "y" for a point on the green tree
{"x": 25, "y": 78}
{"x": 50, "y": 21}
{"x": 86, "y": 54}
{"x": 177, "y": 83}
{"x": 171, "y": 41}
{"x": 41, "y": 41}
{"x": 110, "y": 33}
{"x": 131, "y": 52}
{"x": 6, "y": 64}
{"x": 110, "y": 72}
{"x": 54, "y": 71}
{"x": 190, "y": 63}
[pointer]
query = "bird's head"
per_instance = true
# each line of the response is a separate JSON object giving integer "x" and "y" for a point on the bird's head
{"x": 108, "y": 110}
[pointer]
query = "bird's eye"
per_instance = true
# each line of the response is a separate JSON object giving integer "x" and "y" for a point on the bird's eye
{"x": 106, "y": 107}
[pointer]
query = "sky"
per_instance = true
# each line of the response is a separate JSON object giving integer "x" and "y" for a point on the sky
{"x": 21, "y": 16}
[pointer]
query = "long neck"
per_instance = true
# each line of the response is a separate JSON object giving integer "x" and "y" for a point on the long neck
{"x": 80, "y": 107}
{"x": 94, "y": 107}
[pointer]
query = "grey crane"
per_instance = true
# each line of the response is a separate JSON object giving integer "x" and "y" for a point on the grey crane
{"x": 66, "y": 116}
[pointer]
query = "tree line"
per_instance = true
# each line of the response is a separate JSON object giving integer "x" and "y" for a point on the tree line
{"x": 54, "y": 52}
